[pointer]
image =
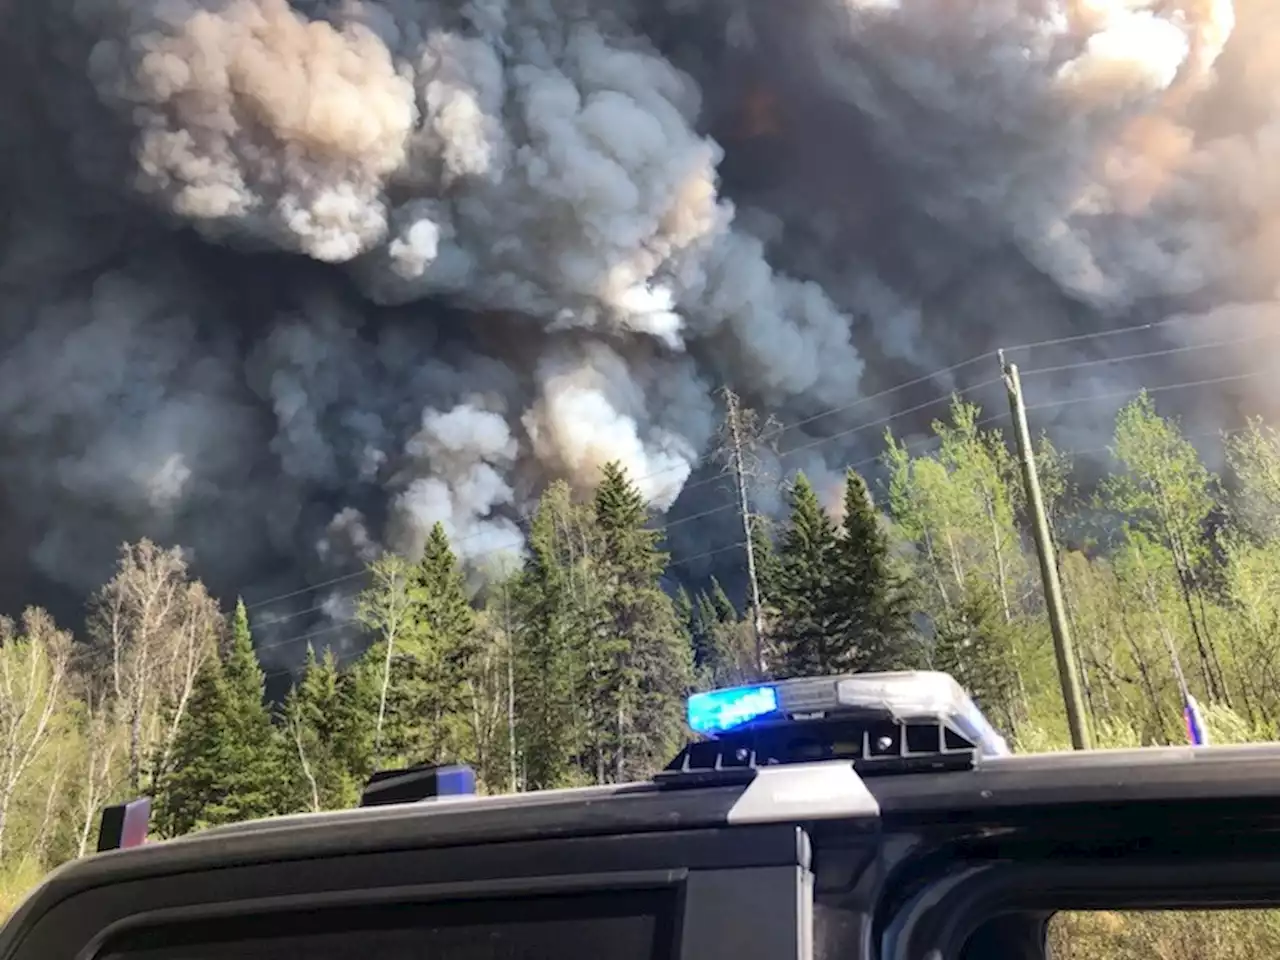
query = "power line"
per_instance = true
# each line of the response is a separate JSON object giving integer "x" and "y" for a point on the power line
{"x": 1115, "y": 395}
{"x": 1198, "y": 435}
{"x": 1149, "y": 354}
{"x": 1102, "y": 334}
{"x": 297, "y": 593}
{"x": 1130, "y": 394}
{"x": 353, "y": 621}
{"x": 818, "y": 441}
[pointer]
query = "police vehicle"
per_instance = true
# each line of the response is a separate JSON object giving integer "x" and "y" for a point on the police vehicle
{"x": 853, "y": 817}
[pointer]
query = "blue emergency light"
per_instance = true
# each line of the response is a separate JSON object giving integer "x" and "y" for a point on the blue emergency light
{"x": 720, "y": 710}
{"x": 416, "y": 784}
{"x": 918, "y": 719}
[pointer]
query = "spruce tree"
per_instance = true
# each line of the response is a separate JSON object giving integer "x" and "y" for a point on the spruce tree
{"x": 804, "y": 628}
{"x": 719, "y": 636}
{"x": 195, "y": 781}
{"x": 647, "y": 669}
{"x": 550, "y": 675}
{"x": 226, "y": 757}
{"x": 430, "y": 661}
{"x": 317, "y": 745}
{"x": 692, "y": 616}
{"x": 253, "y": 757}
{"x": 871, "y": 617}
{"x": 725, "y": 611}
{"x": 977, "y": 646}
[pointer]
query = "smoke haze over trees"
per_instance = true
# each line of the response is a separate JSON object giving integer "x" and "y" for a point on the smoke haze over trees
{"x": 289, "y": 283}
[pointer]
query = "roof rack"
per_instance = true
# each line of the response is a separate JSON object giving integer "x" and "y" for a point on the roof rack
{"x": 882, "y": 722}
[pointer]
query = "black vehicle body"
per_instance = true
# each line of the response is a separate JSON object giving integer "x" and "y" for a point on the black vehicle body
{"x": 789, "y": 863}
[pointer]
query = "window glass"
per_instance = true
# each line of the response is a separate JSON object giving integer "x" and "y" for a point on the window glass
{"x": 1166, "y": 935}
{"x": 626, "y": 927}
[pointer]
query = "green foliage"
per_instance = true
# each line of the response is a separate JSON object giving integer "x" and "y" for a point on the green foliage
{"x": 805, "y": 625}
{"x": 572, "y": 667}
{"x": 871, "y": 615}
{"x": 975, "y": 645}
{"x": 840, "y": 605}
{"x": 556, "y": 602}
{"x": 227, "y": 756}
{"x": 646, "y": 661}
{"x": 721, "y": 640}
{"x": 328, "y": 754}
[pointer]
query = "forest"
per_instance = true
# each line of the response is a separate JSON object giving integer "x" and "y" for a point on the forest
{"x": 572, "y": 666}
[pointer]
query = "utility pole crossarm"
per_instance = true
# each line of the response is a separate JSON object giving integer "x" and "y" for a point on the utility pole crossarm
{"x": 1063, "y": 647}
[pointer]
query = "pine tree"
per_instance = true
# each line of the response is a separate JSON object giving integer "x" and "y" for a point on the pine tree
{"x": 318, "y": 726}
{"x": 806, "y": 558}
{"x": 870, "y": 616}
{"x": 721, "y": 639}
{"x": 430, "y": 661}
{"x": 554, "y": 601}
{"x": 975, "y": 645}
{"x": 196, "y": 778}
{"x": 644, "y": 655}
{"x": 226, "y": 756}
{"x": 254, "y": 761}
{"x": 725, "y": 611}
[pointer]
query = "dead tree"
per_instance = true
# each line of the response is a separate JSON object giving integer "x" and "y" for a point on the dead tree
{"x": 741, "y": 436}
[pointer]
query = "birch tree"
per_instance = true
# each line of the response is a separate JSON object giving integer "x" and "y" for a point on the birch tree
{"x": 152, "y": 628}
{"x": 34, "y": 660}
{"x": 387, "y": 610}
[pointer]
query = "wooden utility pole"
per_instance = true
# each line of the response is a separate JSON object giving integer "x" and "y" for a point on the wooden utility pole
{"x": 737, "y": 431}
{"x": 1068, "y": 673}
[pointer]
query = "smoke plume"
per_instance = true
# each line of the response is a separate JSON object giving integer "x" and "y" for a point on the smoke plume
{"x": 288, "y": 282}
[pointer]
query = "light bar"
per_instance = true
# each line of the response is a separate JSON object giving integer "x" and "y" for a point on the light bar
{"x": 414, "y": 784}
{"x": 923, "y": 695}
{"x": 722, "y": 710}
{"x": 914, "y": 695}
{"x": 124, "y": 825}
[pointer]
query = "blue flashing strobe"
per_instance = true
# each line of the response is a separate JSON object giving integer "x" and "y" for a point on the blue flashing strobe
{"x": 721, "y": 710}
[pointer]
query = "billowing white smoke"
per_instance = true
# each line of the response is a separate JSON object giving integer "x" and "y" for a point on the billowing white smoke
{"x": 463, "y": 455}
{"x": 451, "y": 251}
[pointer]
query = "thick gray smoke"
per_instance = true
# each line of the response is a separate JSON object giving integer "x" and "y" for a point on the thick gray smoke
{"x": 288, "y": 282}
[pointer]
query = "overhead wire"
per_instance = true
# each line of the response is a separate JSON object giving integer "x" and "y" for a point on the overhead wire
{"x": 354, "y": 621}
{"x": 851, "y": 431}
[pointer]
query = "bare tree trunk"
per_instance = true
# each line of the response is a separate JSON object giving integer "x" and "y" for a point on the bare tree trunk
{"x": 386, "y": 608}
{"x": 936, "y": 569}
{"x": 1002, "y": 581}
{"x": 1144, "y": 671}
{"x": 479, "y": 728}
{"x": 511, "y": 686}
{"x": 97, "y": 789}
{"x": 382, "y": 698}
{"x": 41, "y": 843}
{"x": 956, "y": 570}
{"x": 741, "y": 434}
{"x": 191, "y": 665}
{"x": 306, "y": 766}
{"x": 30, "y": 694}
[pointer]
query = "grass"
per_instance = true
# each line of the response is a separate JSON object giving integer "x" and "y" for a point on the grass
{"x": 1166, "y": 935}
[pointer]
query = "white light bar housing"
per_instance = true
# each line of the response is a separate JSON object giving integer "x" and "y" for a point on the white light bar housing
{"x": 914, "y": 695}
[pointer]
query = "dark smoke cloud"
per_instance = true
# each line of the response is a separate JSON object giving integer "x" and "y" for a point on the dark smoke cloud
{"x": 288, "y": 282}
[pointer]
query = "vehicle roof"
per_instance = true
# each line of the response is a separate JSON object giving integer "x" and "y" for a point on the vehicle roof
{"x": 1020, "y": 781}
